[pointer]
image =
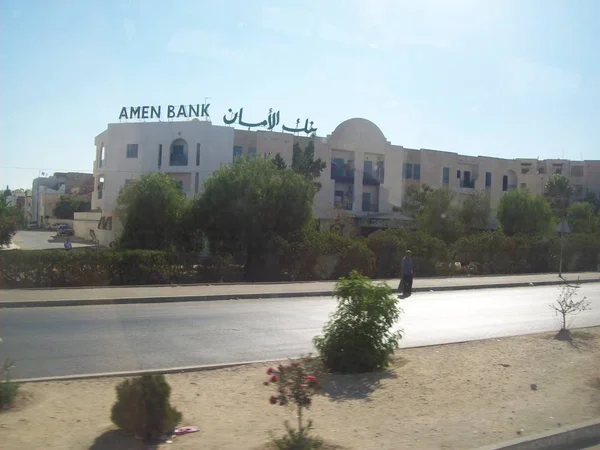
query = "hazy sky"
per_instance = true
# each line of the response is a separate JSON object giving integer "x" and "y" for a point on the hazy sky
{"x": 508, "y": 78}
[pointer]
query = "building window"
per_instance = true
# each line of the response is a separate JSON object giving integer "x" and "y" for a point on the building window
{"x": 458, "y": 174}
{"x": 505, "y": 183}
{"x": 100, "y": 187}
{"x": 196, "y": 182}
{"x": 132, "y": 150}
{"x": 467, "y": 182}
{"x": 558, "y": 171}
{"x": 407, "y": 170}
{"x": 237, "y": 152}
{"x": 577, "y": 171}
{"x": 525, "y": 170}
{"x": 446, "y": 175}
{"x": 488, "y": 179}
{"x": 417, "y": 172}
{"x": 159, "y": 155}
{"x": 251, "y": 152}
{"x": 102, "y": 156}
{"x": 541, "y": 170}
{"x": 128, "y": 181}
{"x": 179, "y": 153}
{"x": 197, "y": 154}
{"x": 578, "y": 190}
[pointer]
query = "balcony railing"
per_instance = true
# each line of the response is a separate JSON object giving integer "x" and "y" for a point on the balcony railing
{"x": 342, "y": 174}
{"x": 373, "y": 177}
{"x": 467, "y": 184}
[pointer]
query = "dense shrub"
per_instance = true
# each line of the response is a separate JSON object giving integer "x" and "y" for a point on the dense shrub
{"x": 581, "y": 252}
{"x": 491, "y": 252}
{"x": 327, "y": 255}
{"x": 143, "y": 408}
{"x": 359, "y": 337}
{"x": 389, "y": 247}
{"x": 56, "y": 268}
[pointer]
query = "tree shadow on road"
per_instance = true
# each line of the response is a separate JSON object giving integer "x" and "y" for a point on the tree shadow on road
{"x": 355, "y": 387}
{"x": 117, "y": 440}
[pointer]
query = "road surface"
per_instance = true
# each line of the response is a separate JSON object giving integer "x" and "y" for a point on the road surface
{"x": 87, "y": 339}
{"x": 41, "y": 240}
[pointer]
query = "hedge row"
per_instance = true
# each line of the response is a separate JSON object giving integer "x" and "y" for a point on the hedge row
{"x": 317, "y": 256}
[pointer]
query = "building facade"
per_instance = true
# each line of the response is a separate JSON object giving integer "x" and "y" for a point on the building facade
{"x": 366, "y": 176}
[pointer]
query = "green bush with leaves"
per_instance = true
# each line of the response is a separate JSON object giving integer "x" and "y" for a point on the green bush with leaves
{"x": 359, "y": 336}
{"x": 143, "y": 407}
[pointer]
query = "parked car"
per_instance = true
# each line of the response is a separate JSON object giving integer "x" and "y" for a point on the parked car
{"x": 64, "y": 230}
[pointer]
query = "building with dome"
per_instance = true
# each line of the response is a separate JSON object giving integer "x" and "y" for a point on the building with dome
{"x": 366, "y": 176}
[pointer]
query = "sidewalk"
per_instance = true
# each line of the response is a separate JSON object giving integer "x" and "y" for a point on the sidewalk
{"x": 18, "y": 298}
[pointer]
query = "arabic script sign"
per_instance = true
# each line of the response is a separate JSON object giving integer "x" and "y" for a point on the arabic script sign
{"x": 201, "y": 110}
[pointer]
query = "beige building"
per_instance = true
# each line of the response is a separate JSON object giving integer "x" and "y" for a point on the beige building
{"x": 366, "y": 175}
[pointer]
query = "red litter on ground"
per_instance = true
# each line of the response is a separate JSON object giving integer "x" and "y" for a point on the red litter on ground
{"x": 185, "y": 430}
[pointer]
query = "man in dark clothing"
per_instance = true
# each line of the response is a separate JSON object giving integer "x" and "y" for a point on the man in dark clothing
{"x": 407, "y": 273}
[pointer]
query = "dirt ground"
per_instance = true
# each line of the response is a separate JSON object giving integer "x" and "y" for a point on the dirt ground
{"x": 455, "y": 396}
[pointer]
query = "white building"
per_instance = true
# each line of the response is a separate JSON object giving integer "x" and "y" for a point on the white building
{"x": 365, "y": 178}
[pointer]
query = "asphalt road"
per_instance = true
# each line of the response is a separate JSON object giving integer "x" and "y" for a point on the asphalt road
{"x": 88, "y": 339}
{"x": 40, "y": 240}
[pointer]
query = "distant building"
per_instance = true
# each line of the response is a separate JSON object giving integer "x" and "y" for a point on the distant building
{"x": 46, "y": 191}
{"x": 366, "y": 175}
{"x": 21, "y": 198}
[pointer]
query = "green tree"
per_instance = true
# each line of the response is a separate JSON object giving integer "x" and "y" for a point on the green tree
{"x": 150, "y": 209}
{"x": 10, "y": 217}
{"x": 475, "y": 212}
{"x": 439, "y": 217}
{"x": 247, "y": 207}
{"x": 279, "y": 162}
{"x": 304, "y": 162}
{"x": 67, "y": 206}
{"x": 592, "y": 198}
{"x": 559, "y": 191}
{"x": 582, "y": 218}
{"x": 521, "y": 212}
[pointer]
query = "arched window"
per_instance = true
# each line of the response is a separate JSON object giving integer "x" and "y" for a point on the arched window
{"x": 178, "y": 156}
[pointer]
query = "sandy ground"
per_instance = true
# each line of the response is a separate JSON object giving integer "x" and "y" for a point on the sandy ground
{"x": 444, "y": 397}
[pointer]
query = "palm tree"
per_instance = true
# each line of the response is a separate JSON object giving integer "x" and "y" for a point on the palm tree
{"x": 559, "y": 191}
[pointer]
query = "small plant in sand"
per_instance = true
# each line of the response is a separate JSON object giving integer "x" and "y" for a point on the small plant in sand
{"x": 296, "y": 384}
{"x": 566, "y": 306}
{"x": 143, "y": 407}
{"x": 8, "y": 388}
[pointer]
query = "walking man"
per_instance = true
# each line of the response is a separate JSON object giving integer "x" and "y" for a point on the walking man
{"x": 407, "y": 274}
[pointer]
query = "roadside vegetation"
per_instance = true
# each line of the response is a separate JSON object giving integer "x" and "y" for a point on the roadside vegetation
{"x": 253, "y": 221}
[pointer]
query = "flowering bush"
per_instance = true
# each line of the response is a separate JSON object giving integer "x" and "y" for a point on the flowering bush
{"x": 296, "y": 384}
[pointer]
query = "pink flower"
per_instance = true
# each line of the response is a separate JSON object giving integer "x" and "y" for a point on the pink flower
{"x": 310, "y": 378}
{"x": 303, "y": 386}
{"x": 273, "y": 400}
{"x": 270, "y": 370}
{"x": 266, "y": 383}
{"x": 273, "y": 378}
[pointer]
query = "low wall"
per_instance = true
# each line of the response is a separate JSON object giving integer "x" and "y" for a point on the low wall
{"x": 50, "y": 222}
{"x": 84, "y": 222}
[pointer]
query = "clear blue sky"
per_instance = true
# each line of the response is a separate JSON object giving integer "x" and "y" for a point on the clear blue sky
{"x": 508, "y": 78}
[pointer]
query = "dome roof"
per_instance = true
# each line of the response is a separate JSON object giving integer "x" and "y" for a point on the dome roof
{"x": 361, "y": 132}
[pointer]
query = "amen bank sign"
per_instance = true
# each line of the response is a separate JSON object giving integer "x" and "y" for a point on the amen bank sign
{"x": 270, "y": 121}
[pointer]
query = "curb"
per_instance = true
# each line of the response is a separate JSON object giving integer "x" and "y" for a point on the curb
{"x": 215, "y": 297}
{"x": 135, "y": 373}
{"x": 576, "y": 436}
